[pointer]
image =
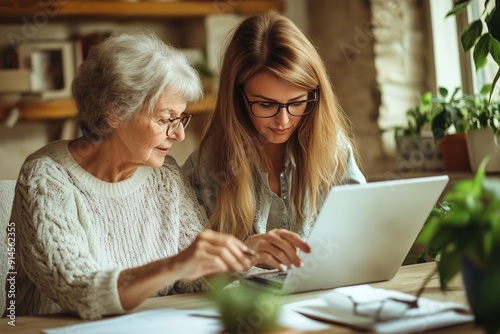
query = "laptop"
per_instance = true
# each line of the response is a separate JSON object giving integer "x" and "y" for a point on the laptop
{"x": 362, "y": 234}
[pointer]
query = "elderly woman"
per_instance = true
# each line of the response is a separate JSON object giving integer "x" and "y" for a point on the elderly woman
{"x": 105, "y": 221}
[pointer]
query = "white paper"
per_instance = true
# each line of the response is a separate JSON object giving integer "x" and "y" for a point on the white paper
{"x": 156, "y": 321}
{"x": 375, "y": 314}
{"x": 179, "y": 321}
{"x": 291, "y": 319}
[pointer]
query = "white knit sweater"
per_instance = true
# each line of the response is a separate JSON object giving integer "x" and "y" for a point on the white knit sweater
{"x": 75, "y": 233}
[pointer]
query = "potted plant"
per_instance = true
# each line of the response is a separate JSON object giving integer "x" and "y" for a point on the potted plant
{"x": 466, "y": 238}
{"x": 246, "y": 308}
{"x": 485, "y": 43}
{"x": 483, "y": 138}
{"x": 416, "y": 147}
{"x": 449, "y": 127}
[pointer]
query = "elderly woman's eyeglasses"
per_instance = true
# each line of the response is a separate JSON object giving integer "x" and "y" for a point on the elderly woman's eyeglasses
{"x": 265, "y": 109}
{"x": 173, "y": 123}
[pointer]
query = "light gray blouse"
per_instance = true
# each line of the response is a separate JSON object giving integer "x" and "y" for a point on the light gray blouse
{"x": 272, "y": 211}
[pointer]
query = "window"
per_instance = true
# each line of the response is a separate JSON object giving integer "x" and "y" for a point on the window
{"x": 446, "y": 46}
{"x": 453, "y": 67}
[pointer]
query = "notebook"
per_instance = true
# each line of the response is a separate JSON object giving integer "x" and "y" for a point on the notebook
{"x": 362, "y": 234}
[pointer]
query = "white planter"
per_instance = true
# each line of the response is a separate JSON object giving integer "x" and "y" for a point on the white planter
{"x": 481, "y": 143}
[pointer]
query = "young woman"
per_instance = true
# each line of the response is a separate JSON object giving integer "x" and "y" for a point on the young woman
{"x": 105, "y": 221}
{"x": 276, "y": 143}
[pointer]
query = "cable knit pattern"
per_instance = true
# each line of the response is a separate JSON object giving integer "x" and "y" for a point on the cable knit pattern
{"x": 75, "y": 233}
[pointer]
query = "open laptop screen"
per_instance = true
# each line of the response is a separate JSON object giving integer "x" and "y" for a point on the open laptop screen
{"x": 363, "y": 233}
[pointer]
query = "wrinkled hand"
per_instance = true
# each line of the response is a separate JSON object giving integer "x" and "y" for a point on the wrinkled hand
{"x": 278, "y": 247}
{"x": 212, "y": 252}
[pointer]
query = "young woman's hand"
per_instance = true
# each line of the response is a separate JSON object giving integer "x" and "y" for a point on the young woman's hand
{"x": 278, "y": 247}
{"x": 212, "y": 252}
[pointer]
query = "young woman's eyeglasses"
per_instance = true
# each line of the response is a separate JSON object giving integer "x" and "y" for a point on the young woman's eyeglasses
{"x": 173, "y": 123}
{"x": 265, "y": 109}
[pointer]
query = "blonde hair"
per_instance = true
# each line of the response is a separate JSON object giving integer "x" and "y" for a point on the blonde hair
{"x": 271, "y": 43}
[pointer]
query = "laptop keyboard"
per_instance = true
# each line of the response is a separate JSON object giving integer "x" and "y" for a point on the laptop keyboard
{"x": 273, "y": 280}
{"x": 278, "y": 277}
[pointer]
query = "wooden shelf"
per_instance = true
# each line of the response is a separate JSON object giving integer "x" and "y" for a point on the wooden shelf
{"x": 56, "y": 110}
{"x": 117, "y": 9}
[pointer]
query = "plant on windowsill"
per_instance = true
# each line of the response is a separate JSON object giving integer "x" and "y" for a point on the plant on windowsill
{"x": 483, "y": 138}
{"x": 416, "y": 118}
{"x": 484, "y": 45}
{"x": 449, "y": 128}
{"x": 466, "y": 238}
{"x": 416, "y": 147}
{"x": 484, "y": 112}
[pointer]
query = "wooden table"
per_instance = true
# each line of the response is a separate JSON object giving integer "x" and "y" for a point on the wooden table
{"x": 408, "y": 280}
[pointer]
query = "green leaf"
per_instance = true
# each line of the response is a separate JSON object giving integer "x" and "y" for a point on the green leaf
{"x": 481, "y": 51}
{"x": 493, "y": 21}
{"x": 463, "y": 186}
{"x": 473, "y": 204}
{"x": 471, "y": 34}
{"x": 439, "y": 125}
{"x": 459, "y": 7}
{"x": 428, "y": 231}
{"x": 488, "y": 243}
{"x": 457, "y": 217}
{"x": 460, "y": 192}
{"x": 495, "y": 222}
{"x": 443, "y": 238}
{"x": 481, "y": 171}
{"x": 426, "y": 99}
{"x": 457, "y": 198}
{"x": 443, "y": 92}
{"x": 448, "y": 266}
{"x": 455, "y": 92}
{"x": 495, "y": 80}
{"x": 486, "y": 89}
{"x": 494, "y": 48}
{"x": 398, "y": 133}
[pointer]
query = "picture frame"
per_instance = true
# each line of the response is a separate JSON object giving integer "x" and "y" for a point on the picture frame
{"x": 52, "y": 67}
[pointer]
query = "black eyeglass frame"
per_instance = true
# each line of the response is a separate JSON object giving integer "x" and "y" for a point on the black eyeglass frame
{"x": 173, "y": 123}
{"x": 314, "y": 101}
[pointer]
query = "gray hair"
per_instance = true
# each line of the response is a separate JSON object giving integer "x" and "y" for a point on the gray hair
{"x": 125, "y": 74}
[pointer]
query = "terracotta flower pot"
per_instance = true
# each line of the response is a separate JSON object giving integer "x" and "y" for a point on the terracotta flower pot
{"x": 455, "y": 153}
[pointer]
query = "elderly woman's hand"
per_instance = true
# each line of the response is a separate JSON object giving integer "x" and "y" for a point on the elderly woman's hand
{"x": 212, "y": 252}
{"x": 278, "y": 247}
